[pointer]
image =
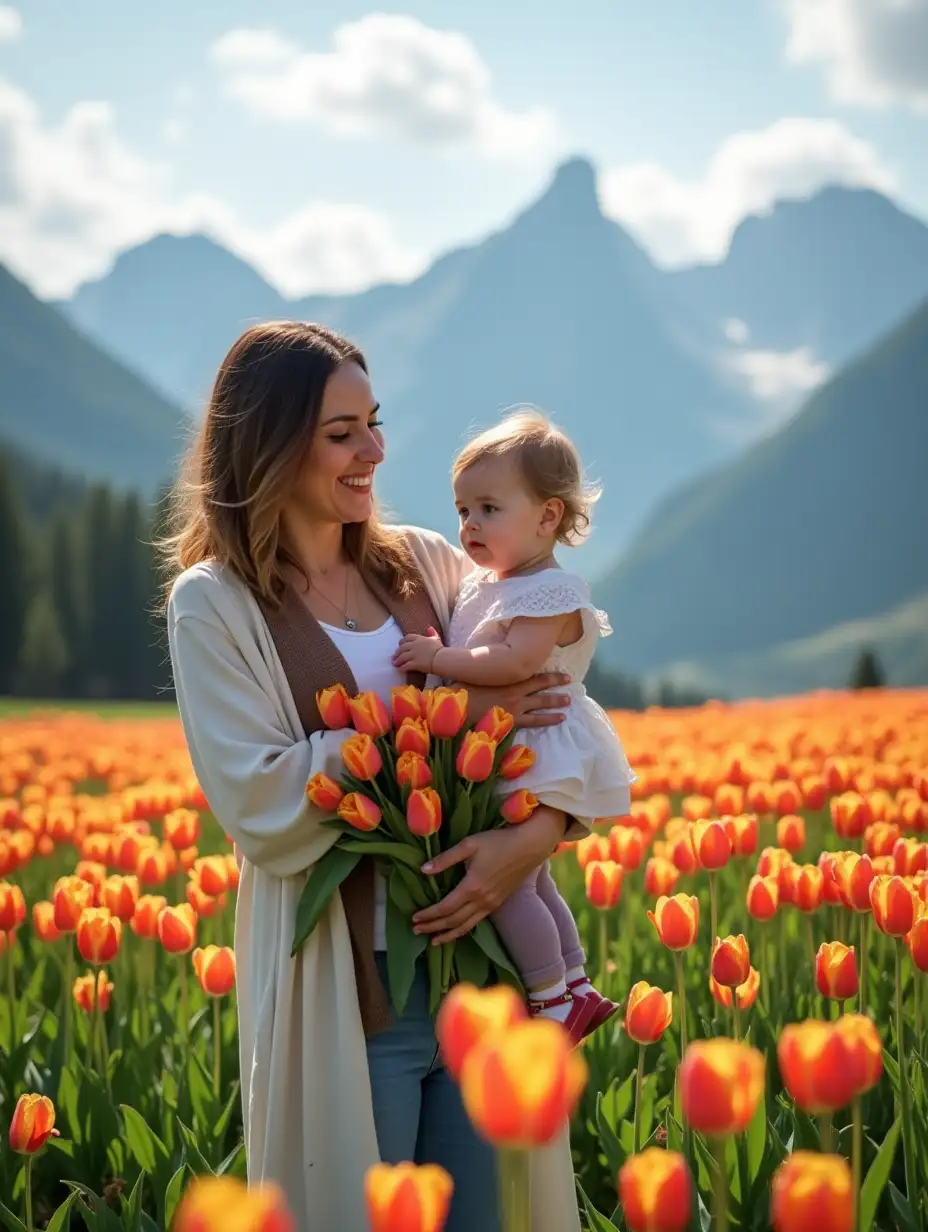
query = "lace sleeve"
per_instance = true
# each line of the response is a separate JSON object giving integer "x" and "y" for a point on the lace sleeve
{"x": 553, "y": 593}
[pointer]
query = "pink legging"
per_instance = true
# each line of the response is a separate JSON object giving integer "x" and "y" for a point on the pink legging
{"x": 538, "y": 930}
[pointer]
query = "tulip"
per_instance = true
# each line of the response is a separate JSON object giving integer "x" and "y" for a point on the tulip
{"x": 850, "y": 815}
{"x": 627, "y": 847}
{"x": 682, "y": 853}
{"x": 807, "y": 887}
{"x": 910, "y": 857}
{"x": 731, "y": 961}
{"x": 182, "y": 828}
{"x": 98, "y": 935}
{"x": 369, "y": 715}
{"x": 791, "y": 833}
{"x": 467, "y": 1014}
{"x": 831, "y": 891}
{"x": 145, "y": 919}
{"x": 446, "y": 712}
{"x": 696, "y": 808}
{"x": 32, "y": 1125}
{"x": 893, "y": 905}
{"x": 836, "y": 971}
{"x": 917, "y": 941}
{"x": 516, "y": 761}
{"x": 89, "y": 989}
{"x": 12, "y": 907}
{"x": 119, "y": 896}
{"x": 93, "y": 871}
{"x": 772, "y": 861}
{"x": 729, "y": 800}
{"x": 413, "y": 737}
{"x": 153, "y": 866}
{"x": 676, "y": 920}
{"x": 648, "y": 1014}
{"x": 854, "y": 873}
{"x": 407, "y": 1197}
{"x": 655, "y": 1191}
{"x": 71, "y": 897}
{"x": 743, "y": 997}
{"x": 812, "y": 1193}
{"x": 212, "y": 874}
{"x": 864, "y": 1049}
{"x": 816, "y": 1066}
{"x": 476, "y": 756}
{"x": 497, "y": 723}
{"x": 177, "y": 928}
{"x": 660, "y": 876}
{"x": 880, "y": 838}
{"x": 43, "y": 922}
{"x": 721, "y": 1084}
{"x": 203, "y": 904}
{"x": 407, "y": 702}
{"x": 763, "y": 897}
{"x": 603, "y": 881}
{"x": 412, "y": 770}
{"x": 333, "y": 707}
{"x": 518, "y": 806}
{"x": 592, "y": 847}
{"x": 215, "y": 969}
{"x": 359, "y": 811}
{"x": 224, "y": 1204}
{"x": 743, "y": 834}
{"x": 423, "y": 813}
{"x": 362, "y": 757}
{"x": 324, "y": 792}
{"x": 711, "y": 844}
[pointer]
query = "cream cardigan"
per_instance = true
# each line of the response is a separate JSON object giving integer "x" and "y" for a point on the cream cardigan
{"x": 305, "y": 1085}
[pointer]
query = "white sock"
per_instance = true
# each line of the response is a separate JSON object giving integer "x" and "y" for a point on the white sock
{"x": 558, "y": 1012}
{"x": 584, "y": 987}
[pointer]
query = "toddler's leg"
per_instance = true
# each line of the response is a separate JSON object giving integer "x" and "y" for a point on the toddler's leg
{"x": 532, "y": 938}
{"x": 550, "y": 895}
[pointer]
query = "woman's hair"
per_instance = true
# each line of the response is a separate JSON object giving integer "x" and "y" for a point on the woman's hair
{"x": 549, "y": 464}
{"x": 247, "y": 455}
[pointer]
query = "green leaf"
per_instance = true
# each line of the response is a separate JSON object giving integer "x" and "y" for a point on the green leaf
{"x": 194, "y": 1155}
{"x": 61, "y": 1220}
{"x": 231, "y": 1162}
{"x": 487, "y": 938}
{"x": 434, "y": 959}
{"x": 414, "y": 885}
{"x": 409, "y": 855}
{"x": 9, "y": 1220}
{"x": 132, "y": 1208}
{"x": 172, "y": 1194}
{"x": 200, "y": 1086}
{"x": 143, "y": 1142}
{"x": 902, "y": 1209}
{"x": 757, "y": 1138}
{"x": 472, "y": 964}
{"x": 404, "y": 949}
{"x": 597, "y": 1222}
{"x": 872, "y": 1189}
{"x": 461, "y": 820}
{"x": 326, "y": 876}
{"x": 612, "y": 1148}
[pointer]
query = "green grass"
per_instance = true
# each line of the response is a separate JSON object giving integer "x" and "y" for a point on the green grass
{"x": 22, "y": 707}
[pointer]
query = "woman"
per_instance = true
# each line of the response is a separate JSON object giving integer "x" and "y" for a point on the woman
{"x": 289, "y": 583}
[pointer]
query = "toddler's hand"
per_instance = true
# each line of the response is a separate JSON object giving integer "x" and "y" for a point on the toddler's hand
{"x": 416, "y": 652}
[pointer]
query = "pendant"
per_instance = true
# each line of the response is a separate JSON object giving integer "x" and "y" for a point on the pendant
{"x": 350, "y": 624}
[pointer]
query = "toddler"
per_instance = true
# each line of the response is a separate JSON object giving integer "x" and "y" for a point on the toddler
{"x": 519, "y": 491}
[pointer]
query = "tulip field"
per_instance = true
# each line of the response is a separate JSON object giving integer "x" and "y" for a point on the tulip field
{"x": 761, "y": 916}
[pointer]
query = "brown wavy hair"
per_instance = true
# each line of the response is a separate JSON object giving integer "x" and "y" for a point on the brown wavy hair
{"x": 246, "y": 456}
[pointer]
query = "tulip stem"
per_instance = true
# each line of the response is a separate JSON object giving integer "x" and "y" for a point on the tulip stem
{"x": 681, "y": 995}
{"x": 95, "y": 1050}
{"x": 515, "y": 1190}
{"x": 910, "y": 1178}
{"x": 713, "y": 910}
{"x": 720, "y": 1189}
{"x": 184, "y": 998}
{"x": 603, "y": 946}
{"x": 431, "y": 876}
{"x": 736, "y": 1010}
{"x": 856, "y": 1157}
{"x": 810, "y": 946}
{"x": 639, "y": 1100}
{"x": 864, "y": 958}
{"x": 67, "y": 994}
{"x": 826, "y": 1133}
{"x": 11, "y": 991}
{"x": 917, "y": 998}
{"x": 30, "y": 1225}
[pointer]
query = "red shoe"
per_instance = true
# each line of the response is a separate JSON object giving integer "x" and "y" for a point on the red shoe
{"x": 602, "y": 1008}
{"x": 576, "y": 1024}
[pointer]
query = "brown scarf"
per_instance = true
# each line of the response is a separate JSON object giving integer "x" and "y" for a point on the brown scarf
{"x": 311, "y": 661}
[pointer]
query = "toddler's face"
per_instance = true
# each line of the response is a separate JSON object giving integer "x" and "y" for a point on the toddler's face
{"x": 502, "y": 524}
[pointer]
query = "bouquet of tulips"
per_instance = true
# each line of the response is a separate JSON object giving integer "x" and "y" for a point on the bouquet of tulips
{"x": 415, "y": 783}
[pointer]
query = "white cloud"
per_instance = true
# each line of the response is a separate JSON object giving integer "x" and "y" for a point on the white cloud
{"x": 780, "y": 378}
{"x": 681, "y": 221}
{"x": 11, "y": 24}
{"x": 874, "y": 52}
{"x": 736, "y": 331}
{"x": 73, "y": 195}
{"x": 386, "y": 75}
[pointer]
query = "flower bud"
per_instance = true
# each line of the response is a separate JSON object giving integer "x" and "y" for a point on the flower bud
{"x": 648, "y": 1013}
{"x": 676, "y": 920}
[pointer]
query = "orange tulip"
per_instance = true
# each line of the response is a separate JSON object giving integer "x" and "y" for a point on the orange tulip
{"x": 119, "y": 895}
{"x": 224, "y": 1204}
{"x": 786, "y": 797}
{"x": 89, "y": 987}
{"x": 880, "y": 838}
{"x": 182, "y": 828}
{"x": 592, "y": 847}
{"x": 516, "y": 761}
{"x": 676, "y": 920}
{"x": 333, "y": 707}
{"x": 682, "y": 853}
{"x": 812, "y": 1193}
{"x": 412, "y": 770}
{"x": 746, "y": 993}
{"x": 729, "y": 800}
{"x": 203, "y": 904}
{"x": 807, "y": 887}
{"x": 446, "y": 711}
{"x": 212, "y": 873}
{"x": 917, "y": 941}
{"x": 660, "y": 876}
{"x": 772, "y": 861}
{"x": 763, "y": 897}
{"x": 43, "y": 921}
{"x": 648, "y": 1013}
{"x": 177, "y": 928}
{"x": 98, "y": 935}
{"x": 831, "y": 891}
{"x": 369, "y": 715}
{"x": 359, "y": 811}
{"x": 475, "y": 757}
{"x": 910, "y": 857}
{"x": 407, "y": 702}
{"x": 12, "y": 907}
{"x": 153, "y": 867}
{"x": 518, "y": 806}
{"x": 520, "y": 1086}
{"x": 655, "y": 1191}
{"x": 497, "y": 723}
{"x": 816, "y": 1066}
{"x": 627, "y": 847}
{"x": 814, "y": 792}
{"x": 32, "y": 1125}
{"x": 850, "y": 815}
{"x": 791, "y": 833}
{"x": 324, "y": 792}
{"x": 94, "y": 873}
{"x": 893, "y": 905}
{"x": 721, "y": 1084}
{"x": 362, "y": 757}
{"x": 864, "y": 1050}
{"x": 407, "y": 1197}
{"x": 467, "y": 1014}
{"x": 854, "y": 873}
{"x": 836, "y": 971}
{"x": 696, "y": 808}
{"x": 423, "y": 812}
{"x": 743, "y": 834}
{"x": 215, "y": 969}
{"x": 145, "y": 920}
{"x": 711, "y": 844}
{"x": 413, "y": 737}
{"x": 71, "y": 897}
{"x": 603, "y": 880}
{"x": 731, "y": 961}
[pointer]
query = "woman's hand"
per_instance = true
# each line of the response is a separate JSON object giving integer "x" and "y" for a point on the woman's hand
{"x": 498, "y": 861}
{"x": 532, "y": 703}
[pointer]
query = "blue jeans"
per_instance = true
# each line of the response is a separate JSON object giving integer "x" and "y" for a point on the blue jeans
{"x": 418, "y": 1112}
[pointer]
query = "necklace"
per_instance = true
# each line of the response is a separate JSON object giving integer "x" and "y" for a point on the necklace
{"x": 342, "y": 611}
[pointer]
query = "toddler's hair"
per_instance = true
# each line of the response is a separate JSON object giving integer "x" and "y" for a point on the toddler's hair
{"x": 549, "y": 463}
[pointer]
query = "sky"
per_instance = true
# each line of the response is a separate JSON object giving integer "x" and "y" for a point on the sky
{"x": 335, "y": 146}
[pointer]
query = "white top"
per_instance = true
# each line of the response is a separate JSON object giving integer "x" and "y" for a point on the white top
{"x": 580, "y": 765}
{"x": 370, "y": 657}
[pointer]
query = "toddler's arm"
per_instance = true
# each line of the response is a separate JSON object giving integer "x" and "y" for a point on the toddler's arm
{"x": 529, "y": 642}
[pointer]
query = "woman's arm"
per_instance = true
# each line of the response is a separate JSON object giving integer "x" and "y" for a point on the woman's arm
{"x": 251, "y": 770}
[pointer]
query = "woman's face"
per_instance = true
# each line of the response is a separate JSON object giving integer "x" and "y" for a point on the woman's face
{"x": 335, "y": 481}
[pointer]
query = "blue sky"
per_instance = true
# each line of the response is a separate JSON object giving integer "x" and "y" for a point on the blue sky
{"x": 337, "y": 145}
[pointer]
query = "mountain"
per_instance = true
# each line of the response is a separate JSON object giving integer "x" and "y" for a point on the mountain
{"x": 822, "y": 524}
{"x": 66, "y": 402}
{"x": 833, "y": 272}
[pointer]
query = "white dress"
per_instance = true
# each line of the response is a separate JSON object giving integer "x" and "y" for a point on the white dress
{"x": 580, "y": 765}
